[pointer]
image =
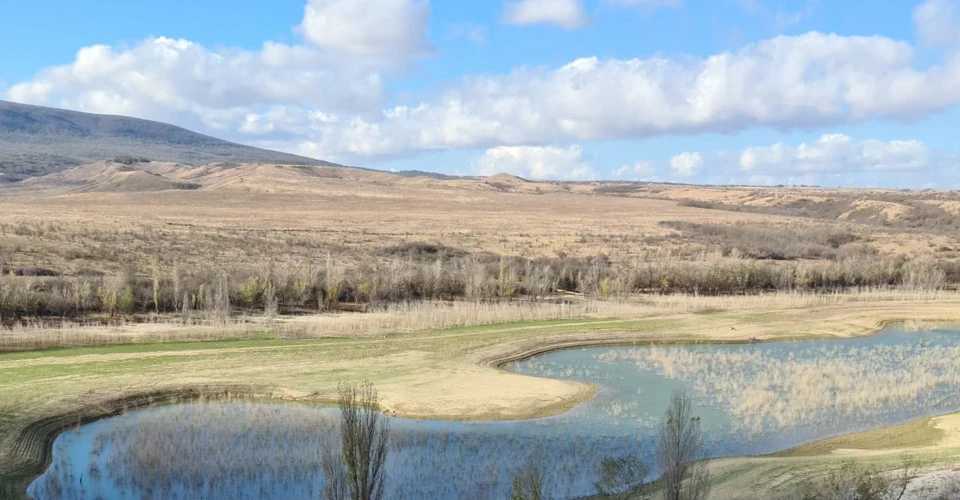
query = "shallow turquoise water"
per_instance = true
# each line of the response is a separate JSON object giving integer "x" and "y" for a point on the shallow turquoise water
{"x": 752, "y": 399}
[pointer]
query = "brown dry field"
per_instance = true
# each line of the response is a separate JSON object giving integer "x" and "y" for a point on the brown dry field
{"x": 104, "y": 218}
{"x": 252, "y": 214}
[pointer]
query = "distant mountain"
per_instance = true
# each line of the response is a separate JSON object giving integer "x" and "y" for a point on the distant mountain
{"x": 432, "y": 175}
{"x": 36, "y": 140}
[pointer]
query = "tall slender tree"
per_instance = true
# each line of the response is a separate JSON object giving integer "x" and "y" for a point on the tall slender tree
{"x": 364, "y": 439}
{"x": 679, "y": 447}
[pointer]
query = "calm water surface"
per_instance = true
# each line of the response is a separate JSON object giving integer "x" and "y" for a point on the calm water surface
{"x": 752, "y": 399}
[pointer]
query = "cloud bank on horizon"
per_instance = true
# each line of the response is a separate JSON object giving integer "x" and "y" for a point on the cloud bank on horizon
{"x": 351, "y": 87}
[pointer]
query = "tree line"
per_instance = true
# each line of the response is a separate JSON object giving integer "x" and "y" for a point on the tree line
{"x": 165, "y": 287}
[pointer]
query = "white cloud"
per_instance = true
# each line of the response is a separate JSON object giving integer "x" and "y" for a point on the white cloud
{"x": 831, "y": 160}
{"x": 641, "y": 170}
{"x": 321, "y": 100}
{"x": 784, "y": 82}
{"x": 548, "y": 162}
{"x": 274, "y": 93}
{"x": 181, "y": 81}
{"x": 686, "y": 164}
{"x": 938, "y": 22}
{"x": 374, "y": 28}
{"x": 566, "y": 13}
{"x": 836, "y": 153}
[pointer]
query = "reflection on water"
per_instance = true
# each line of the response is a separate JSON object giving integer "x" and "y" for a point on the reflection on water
{"x": 754, "y": 398}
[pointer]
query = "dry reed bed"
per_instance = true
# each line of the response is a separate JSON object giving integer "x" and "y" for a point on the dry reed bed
{"x": 229, "y": 449}
{"x": 431, "y": 315}
{"x": 808, "y": 387}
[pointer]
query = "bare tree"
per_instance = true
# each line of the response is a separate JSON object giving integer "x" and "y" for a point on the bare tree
{"x": 620, "y": 476}
{"x": 364, "y": 436}
{"x": 910, "y": 468}
{"x": 679, "y": 447}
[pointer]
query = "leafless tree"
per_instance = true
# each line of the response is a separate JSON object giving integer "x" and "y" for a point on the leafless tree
{"x": 910, "y": 468}
{"x": 364, "y": 438}
{"x": 679, "y": 447}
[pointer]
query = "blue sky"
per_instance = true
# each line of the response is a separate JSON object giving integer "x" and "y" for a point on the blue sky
{"x": 854, "y": 93}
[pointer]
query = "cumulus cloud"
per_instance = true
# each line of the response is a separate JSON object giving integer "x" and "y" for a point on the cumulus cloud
{"x": 275, "y": 93}
{"x": 325, "y": 98}
{"x": 566, "y": 13}
{"x": 938, "y": 22}
{"x": 549, "y": 162}
{"x": 179, "y": 80}
{"x": 836, "y": 153}
{"x": 374, "y": 28}
{"x": 641, "y": 170}
{"x": 686, "y": 164}
{"x": 784, "y": 82}
{"x": 832, "y": 159}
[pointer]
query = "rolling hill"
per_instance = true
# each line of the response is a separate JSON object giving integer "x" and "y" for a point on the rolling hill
{"x": 36, "y": 140}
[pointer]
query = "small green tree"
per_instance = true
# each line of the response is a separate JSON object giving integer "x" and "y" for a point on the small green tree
{"x": 506, "y": 280}
{"x": 250, "y": 292}
{"x": 127, "y": 301}
{"x": 605, "y": 288}
{"x": 108, "y": 301}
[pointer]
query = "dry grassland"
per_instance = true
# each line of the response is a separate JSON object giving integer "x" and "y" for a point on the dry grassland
{"x": 281, "y": 215}
{"x": 256, "y": 239}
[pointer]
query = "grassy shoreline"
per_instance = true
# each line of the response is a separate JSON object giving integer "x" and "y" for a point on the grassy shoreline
{"x": 450, "y": 373}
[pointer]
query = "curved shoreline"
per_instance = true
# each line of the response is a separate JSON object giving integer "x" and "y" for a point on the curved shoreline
{"x": 37, "y": 437}
{"x": 503, "y": 360}
{"x": 40, "y": 435}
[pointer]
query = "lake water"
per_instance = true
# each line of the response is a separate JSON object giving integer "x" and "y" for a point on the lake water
{"x": 752, "y": 399}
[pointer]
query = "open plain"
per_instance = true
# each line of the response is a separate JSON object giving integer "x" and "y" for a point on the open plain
{"x": 256, "y": 282}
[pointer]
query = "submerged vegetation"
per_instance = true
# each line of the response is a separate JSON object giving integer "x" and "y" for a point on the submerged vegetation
{"x": 233, "y": 450}
{"x": 810, "y": 386}
{"x": 621, "y": 476}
